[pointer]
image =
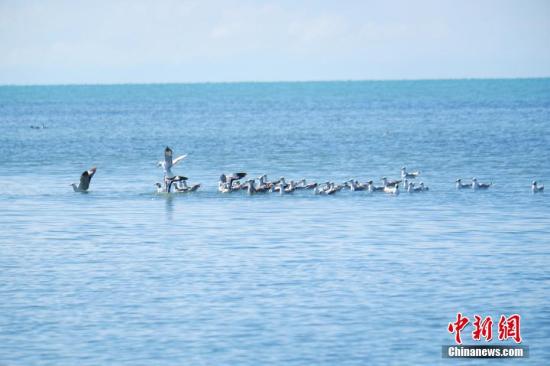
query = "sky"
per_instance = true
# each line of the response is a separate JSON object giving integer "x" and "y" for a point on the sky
{"x": 143, "y": 41}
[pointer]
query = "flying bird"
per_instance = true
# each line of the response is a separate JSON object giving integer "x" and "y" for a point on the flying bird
{"x": 169, "y": 162}
{"x": 85, "y": 179}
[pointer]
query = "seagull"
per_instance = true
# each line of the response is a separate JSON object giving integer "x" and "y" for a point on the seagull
{"x": 291, "y": 187}
{"x": 251, "y": 189}
{"x": 373, "y": 188}
{"x": 262, "y": 186}
{"x": 168, "y": 182}
{"x": 182, "y": 187}
{"x": 261, "y": 181}
{"x": 85, "y": 179}
{"x": 225, "y": 183}
{"x": 337, "y": 187}
{"x": 168, "y": 162}
{"x": 264, "y": 182}
{"x": 281, "y": 187}
{"x": 304, "y": 185}
{"x": 476, "y": 185}
{"x": 413, "y": 189}
{"x": 390, "y": 183}
{"x": 327, "y": 189}
{"x": 405, "y": 174}
{"x": 356, "y": 186}
{"x": 460, "y": 185}
{"x": 321, "y": 190}
{"x": 392, "y": 189}
{"x": 331, "y": 188}
{"x": 536, "y": 188}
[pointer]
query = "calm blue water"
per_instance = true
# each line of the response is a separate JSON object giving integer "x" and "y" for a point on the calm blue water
{"x": 124, "y": 276}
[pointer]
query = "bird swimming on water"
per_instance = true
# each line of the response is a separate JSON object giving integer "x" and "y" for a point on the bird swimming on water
{"x": 390, "y": 183}
{"x": 477, "y": 185}
{"x": 182, "y": 187}
{"x": 410, "y": 175}
{"x": 225, "y": 184}
{"x": 412, "y": 188}
{"x": 354, "y": 185}
{"x": 392, "y": 189}
{"x": 168, "y": 182}
{"x": 372, "y": 188}
{"x": 85, "y": 179}
{"x": 460, "y": 185}
{"x": 535, "y": 188}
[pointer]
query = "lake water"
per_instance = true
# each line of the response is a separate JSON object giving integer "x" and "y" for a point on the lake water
{"x": 124, "y": 276}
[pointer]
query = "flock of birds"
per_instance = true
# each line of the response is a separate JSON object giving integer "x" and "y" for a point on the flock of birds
{"x": 38, "y": 127}
{"x": 232, "y": 182}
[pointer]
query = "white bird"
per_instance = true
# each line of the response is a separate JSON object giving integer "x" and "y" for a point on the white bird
{"x": 476, "y": 185}
{"x": 536, "y": 188}
{"x": 182, "y": 187}
{"x": 460, "y": 185}
{"x": 291, "y": 186}
{"x": 262, "y": 186}
{"x": 281, "y": 186}
{"x": 168, "y": 182}
{"x": 390, "y": 183}
{"x": 331, "y": 188}
{"x": 224, "y": 188}
{"x": 405, "y": 174}
{"x": 302, "y": 184}
{"x": 85, "y": 179}
{"x": 372, "y": 188}
{"x": 225, "y": 183}
{"x": 412, "y": 189}
{"x": 251, "y": 189}
{"x": 356, "y": 186}
{"x": 262, "y": 181}
{"x": 168, "y": 162}
{"x": 322, "y": 190}
{"x": 266, "y": 185}
{"x": 392, "y": 189}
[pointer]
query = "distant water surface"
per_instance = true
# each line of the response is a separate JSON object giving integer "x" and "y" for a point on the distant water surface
{"x": 124, "y": 276}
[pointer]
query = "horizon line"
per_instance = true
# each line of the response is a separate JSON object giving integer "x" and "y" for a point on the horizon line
{"x": 272, "y": 81}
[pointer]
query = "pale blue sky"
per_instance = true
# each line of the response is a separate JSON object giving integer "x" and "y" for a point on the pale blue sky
{"x": 58, "y": 42}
